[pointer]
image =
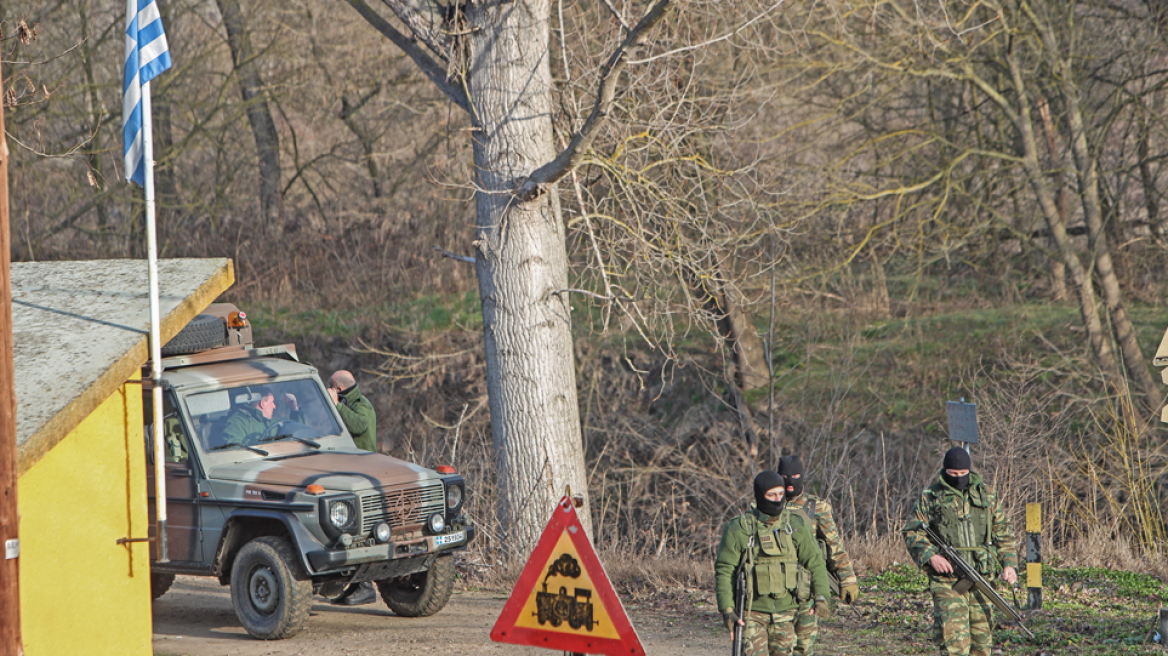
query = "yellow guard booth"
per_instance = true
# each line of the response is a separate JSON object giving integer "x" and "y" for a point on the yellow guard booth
{"x": 80, "y": 341}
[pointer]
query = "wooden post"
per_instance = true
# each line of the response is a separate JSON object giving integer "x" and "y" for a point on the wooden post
{"x": 1033, "y": 556}
{"x": 9, "y": 520}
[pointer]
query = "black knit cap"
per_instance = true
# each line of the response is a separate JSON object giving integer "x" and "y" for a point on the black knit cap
{"x": 956, "y": 458}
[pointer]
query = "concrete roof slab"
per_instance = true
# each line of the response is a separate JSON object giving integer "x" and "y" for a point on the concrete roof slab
{"x": 80, "y": 331}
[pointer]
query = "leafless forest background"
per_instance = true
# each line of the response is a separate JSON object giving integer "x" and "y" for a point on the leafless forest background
{"x": 780, "y": 189}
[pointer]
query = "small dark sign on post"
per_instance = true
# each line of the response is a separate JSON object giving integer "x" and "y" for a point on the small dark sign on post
{"x": 962, "y": 422}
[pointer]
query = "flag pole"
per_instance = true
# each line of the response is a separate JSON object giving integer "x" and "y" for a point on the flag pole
{"x": 155, "y": 330}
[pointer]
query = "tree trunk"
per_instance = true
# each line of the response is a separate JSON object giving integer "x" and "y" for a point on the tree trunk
{"x": 263, "y": 128}
{"x": 522, "y": 267}
{"x": 1080, "y": 273}
{"x": 1135, "y": 364}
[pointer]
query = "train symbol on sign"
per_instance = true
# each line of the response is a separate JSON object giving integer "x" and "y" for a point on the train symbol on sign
{"x": 561, "y": 607}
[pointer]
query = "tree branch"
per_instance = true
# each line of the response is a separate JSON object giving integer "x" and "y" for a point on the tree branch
{"x": 570, "y": 157}
{"x": 455, "y": 256}
{"x": 429, "y": 67}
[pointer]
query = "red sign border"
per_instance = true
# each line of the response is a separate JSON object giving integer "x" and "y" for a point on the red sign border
{"x": 505, "y": 630}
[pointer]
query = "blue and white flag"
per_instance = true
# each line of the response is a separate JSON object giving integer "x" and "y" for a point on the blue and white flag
{"x": 146, "y": 57}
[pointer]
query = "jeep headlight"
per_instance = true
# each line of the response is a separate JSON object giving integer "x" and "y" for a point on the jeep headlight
{"x": 340, "y": 512}
{"x": 453, "y": 497}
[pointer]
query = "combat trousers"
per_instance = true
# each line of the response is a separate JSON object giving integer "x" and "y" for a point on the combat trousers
{"x": 769, "y": 634}
{"x": 806, "y": 628}
{"x": 961, "y": 620}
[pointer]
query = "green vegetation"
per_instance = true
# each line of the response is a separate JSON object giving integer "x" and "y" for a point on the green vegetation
{"x": 834, "y": 354}
{"x": 1085, "y": 611}
{"x": 425, "y": 314}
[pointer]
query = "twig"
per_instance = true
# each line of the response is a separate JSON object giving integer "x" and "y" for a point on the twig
{"x": 588, "y": 293}
{"x": 455, "y": 256}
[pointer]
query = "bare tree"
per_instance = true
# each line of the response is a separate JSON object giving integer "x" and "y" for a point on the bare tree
{"x": 986, "y": 92}
{"x": 492, "y": 60}
{"x": 259, "y": 115}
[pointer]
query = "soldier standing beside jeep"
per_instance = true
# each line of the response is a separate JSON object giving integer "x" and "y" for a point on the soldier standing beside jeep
{"x": 773, "y": 542}
{"x": 964, "y": 511}
{"x": 356, "y": 410}
{"x": 361, "y": 421}
{"x": 839, "y": 565}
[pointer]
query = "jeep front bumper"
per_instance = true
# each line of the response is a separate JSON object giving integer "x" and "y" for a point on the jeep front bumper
{"x": 330, "y": 560}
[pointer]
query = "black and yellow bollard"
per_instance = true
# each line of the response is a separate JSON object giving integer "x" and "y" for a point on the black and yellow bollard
{"x": 1033, "y": 556}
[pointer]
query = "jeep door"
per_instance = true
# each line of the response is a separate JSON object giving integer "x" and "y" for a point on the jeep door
{"x": 184, "y": 542}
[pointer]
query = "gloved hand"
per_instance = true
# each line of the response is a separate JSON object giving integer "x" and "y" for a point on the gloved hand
{"x": 850, "y": 593}
{"x": 822, "y": 609}
{"x": 731, "y": 620}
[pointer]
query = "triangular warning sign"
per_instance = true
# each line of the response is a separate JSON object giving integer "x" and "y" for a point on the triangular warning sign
{"x": 563, "y": 599}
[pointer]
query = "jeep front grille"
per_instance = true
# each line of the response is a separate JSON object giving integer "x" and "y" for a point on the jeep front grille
{"x": 401, "y": 507}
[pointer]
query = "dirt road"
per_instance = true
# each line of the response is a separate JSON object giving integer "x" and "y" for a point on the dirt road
{"x": 196, "y": 619}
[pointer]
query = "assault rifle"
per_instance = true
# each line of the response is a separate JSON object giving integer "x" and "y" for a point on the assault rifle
{"x": 971, "y": 578}
{"x": 741, "y": 596}
{"x": 739, "y": 607}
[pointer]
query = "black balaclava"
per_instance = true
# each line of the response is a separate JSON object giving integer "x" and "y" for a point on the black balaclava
{"x": 763, "y": 483}
{"x": 956, "y": 458}
{"x": 789, "y": 466}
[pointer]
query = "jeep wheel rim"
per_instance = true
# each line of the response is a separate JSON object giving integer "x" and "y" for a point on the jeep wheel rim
{"x": 262, "y": 589}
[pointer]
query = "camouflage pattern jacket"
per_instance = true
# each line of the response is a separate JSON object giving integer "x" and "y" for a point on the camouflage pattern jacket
{"x": 736, "y": 537}
{"x": 972, "y": 521}
{"x": 822, "y": 523}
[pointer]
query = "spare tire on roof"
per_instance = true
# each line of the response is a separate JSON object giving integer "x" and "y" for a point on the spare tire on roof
{"x": 204, "y": 332}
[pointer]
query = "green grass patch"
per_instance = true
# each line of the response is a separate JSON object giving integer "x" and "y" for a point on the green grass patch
{"x": 426, "y": 314}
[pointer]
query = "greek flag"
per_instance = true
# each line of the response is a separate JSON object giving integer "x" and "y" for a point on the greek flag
{"x": 146, "y": 57}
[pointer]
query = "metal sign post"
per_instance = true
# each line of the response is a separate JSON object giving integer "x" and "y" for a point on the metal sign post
{"x": 962, "y": 422}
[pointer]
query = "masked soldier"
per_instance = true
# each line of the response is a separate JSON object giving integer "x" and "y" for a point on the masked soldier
{"x": 785, "y": 567}
{"x": 818, "y": 514}
{"x": 966, "y": 513}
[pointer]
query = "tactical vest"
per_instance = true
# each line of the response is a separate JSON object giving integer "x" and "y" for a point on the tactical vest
{"x": 776, "y": 561}
{"x": 967, "y": 527}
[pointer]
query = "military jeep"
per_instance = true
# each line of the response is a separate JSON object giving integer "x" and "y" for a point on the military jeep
{"x": 295, "y": 509}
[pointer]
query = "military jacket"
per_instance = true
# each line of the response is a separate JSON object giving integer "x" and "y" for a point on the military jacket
{"x": 780, "y": 545}
{"x": 972, "y": 521}
{"x": 818, "y": 513}
{"x": 247, "y": 424}
{"x": 357, "y": 413}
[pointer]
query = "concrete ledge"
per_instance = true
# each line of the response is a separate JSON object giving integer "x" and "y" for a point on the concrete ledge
{"x": 81, "y": 331}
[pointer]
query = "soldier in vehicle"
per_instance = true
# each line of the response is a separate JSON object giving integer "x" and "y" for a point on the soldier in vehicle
{"x": 772, "y": 541}
{"x": 818, "y": 514}
{"x": 356, "y": 410}
{"x": 248, "y": 423}
{"x": 966, "y": 513}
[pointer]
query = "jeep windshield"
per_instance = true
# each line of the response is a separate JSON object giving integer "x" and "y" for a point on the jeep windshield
{"x": 250, "y": 415}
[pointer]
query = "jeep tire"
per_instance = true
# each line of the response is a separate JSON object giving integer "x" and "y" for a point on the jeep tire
{"x": 269, "y": 589}
{"x": 204, "y": 332}
{"x": 159, "y": 584}
{"x": 421, "y": 594}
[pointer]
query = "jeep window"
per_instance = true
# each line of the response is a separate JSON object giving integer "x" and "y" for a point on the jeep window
{"x": 313, "y": 417}
{"x": 172, "y": 431}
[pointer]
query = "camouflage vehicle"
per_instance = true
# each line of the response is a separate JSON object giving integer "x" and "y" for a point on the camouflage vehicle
{"x": 298, "y": 509}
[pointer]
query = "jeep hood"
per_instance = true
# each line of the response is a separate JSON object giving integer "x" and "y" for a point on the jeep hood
{"x": 346, "y": 472}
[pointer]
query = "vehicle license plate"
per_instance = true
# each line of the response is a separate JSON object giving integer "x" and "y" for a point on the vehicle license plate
{"x": 450, "y": 539}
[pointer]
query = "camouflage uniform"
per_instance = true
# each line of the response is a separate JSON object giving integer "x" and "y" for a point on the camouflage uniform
{"x": 839, "y": 564}
{"x": 781, "y": 545}
{"x": 973, "y": 522}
